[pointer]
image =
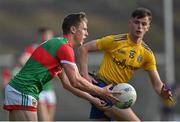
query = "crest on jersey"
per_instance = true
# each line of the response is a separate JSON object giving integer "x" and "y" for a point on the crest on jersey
{"x": 139, "y": 59}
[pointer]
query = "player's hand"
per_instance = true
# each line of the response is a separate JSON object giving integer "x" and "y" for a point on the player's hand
{"x": 93, "y": 80}
{"x": 109, "y": 94}
{"x": 166, "y": 93}
{"x": 98, "y": 102}
{"x": 90, "y": 78}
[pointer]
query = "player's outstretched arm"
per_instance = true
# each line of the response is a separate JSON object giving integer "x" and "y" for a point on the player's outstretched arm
{"x": 159, "y": 86}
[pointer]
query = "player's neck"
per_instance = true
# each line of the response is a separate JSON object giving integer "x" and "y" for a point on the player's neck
{"x": 69, "y": 38}
{"x": 135, "y": 39}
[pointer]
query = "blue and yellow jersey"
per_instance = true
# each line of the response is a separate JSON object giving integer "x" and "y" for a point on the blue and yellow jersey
{"x": 123, "y": 57}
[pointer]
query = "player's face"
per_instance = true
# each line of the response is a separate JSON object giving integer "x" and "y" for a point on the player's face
{"x": 139, "y": 26}
{"x": 81, "y": 33}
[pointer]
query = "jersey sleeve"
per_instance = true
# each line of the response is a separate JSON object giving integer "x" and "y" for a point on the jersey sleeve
{"x": 105, "y": 43}
{"x": 150, "y": 63}
{"x": 66, "y": 54}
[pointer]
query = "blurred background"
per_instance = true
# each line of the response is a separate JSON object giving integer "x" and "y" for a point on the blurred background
{"x": 20, "y": 19}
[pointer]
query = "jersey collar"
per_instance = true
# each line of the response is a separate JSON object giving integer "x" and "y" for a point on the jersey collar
{"x": 68, "y": 39}
{"x": 131, "y": 42}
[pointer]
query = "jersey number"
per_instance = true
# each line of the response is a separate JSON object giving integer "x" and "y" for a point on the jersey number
{"x": 131, "y": 54}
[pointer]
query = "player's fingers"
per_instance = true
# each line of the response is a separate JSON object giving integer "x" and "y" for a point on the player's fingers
{"x": 94, "y": 81}
{"x": 109, "y": 86}
{"x": 103, "y": 103}
{"x": 116, "y": 92}
{"x": 104, "y": 108}
{"x": 114, "y": 99}
{"x": 163, "y": 87}
{"x": 107, "y": 106}
{"x": 172, "y": 100}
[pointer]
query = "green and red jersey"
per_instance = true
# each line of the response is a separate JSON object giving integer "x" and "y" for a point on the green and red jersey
{"x": 29, "y": 50}
{"x": 43, "y": 65}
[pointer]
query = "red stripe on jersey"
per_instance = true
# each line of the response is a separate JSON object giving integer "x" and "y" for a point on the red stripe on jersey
{"x": 66, "y": 52}
{"x": 46, "y": 59}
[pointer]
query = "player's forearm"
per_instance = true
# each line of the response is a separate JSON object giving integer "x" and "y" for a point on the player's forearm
{"x": 158, "y": 87}
{"x": 79, "y": 93}
{"x": 66, "y": 84}
{"x": 83, "y": 60}
{"x": 79, "y": 82}
{"x": 156, "y": 81}
{"x": 86, "y": 86}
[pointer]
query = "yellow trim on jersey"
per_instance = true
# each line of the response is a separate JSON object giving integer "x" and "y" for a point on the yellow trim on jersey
{"x": 123, "y": 57}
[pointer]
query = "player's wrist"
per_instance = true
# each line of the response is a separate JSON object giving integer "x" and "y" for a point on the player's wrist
{"x": 158, "y": 89}
{"x": 99, "y": 91}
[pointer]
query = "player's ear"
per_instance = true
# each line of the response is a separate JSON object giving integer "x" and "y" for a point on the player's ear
{"x": 148, "y": 26}
{"x": 73, "y": 29}
{"x": 129, "y": 22}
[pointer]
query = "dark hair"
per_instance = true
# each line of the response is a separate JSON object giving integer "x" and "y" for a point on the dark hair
{"x": 141, "y": 13}
{"x": 73, "y": 20}
{"x": 43, "y": 30}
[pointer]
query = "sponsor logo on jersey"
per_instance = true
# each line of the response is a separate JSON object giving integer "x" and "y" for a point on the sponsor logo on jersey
{"x": 122, "y": 64}
{"x": 120, "y": 51}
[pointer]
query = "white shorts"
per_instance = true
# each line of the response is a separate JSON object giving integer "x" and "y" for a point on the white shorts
{"x": 48, "y": 98}
{"x": 15, "y": 100}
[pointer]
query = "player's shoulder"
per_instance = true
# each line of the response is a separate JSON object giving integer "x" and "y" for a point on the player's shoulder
{"x": 56, "y": 41}
{"x": 120, "y": 37}
{"x": 57, "y": 38}
{"x": 65, "y": 46}
{"x": 146, "y": 47}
